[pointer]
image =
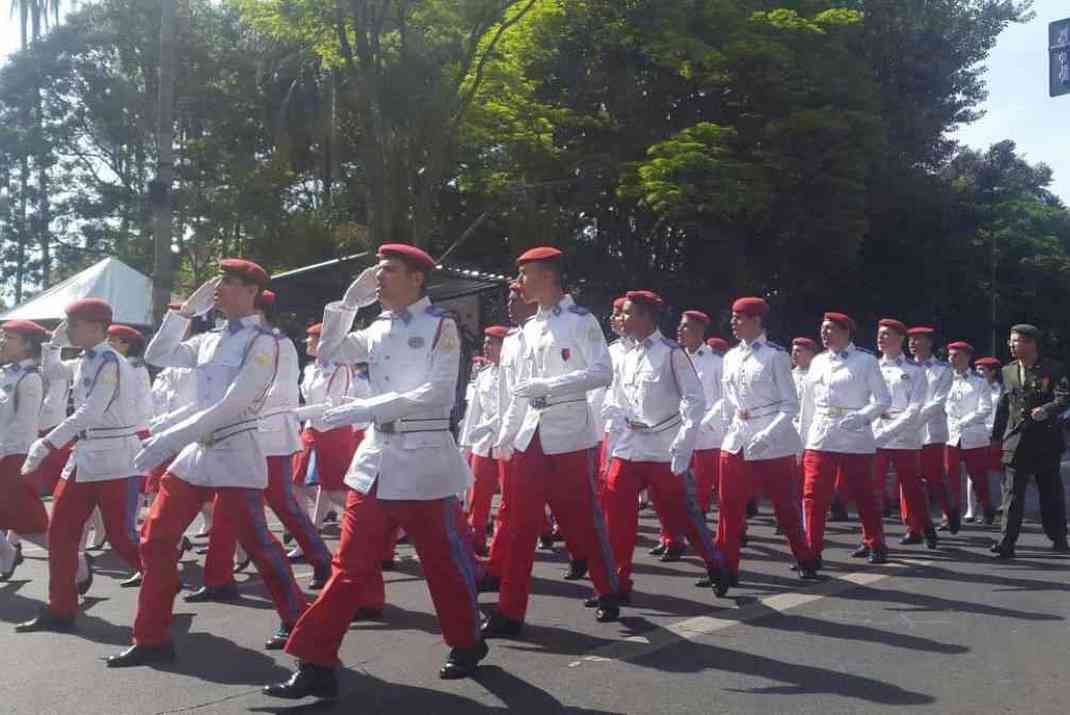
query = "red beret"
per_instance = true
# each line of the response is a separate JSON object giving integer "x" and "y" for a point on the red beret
{"x": 26, "y": 328}
{"x": 539, "y": 253}
{"x": 314, "y": 329}
{"x": 647, "y": 297}
{"x": 718, "y": 344}
{"x": 921, "y": 330}
{"x": 90, "y": 309}
{"x": 697, "y": 315}
{"x": 245, "y": 269}
{"x": 126, "y": 333}
{"x": 896, "y": 325}
{"x": 751, "y": 307}
{"x": 266, "y": 299}
{"x": 988, "y": 362}
{"x": 807, "y": 343}
{"x": 960, "y": 345}
{"x": 496, "y": 331}
{"x": 412, "y": 254}
{"x": 618, "y": 303}
{"x": 841, "y": 319}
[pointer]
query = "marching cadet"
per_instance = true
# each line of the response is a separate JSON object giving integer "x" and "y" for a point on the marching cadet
{"x": 480, "y": 430}
{"x": 969, "y": 404}
{"x": 613, "y": 428}
{"x": 218, "y": 451}
{"x": 277, "y": 432}
{"x": 662, "y": 402}
{"x": 519, "y": 311}
{"x": 843, "y": 394}
{"x": 21, "y": 395}
{"x": 933, "y": 422}
{"x": 325, "y": 452}
{"x": 991, "y": 370}
{"x": 707, "y": 457}
{"x": 897, "y": 436}
{"x": 760, "y": 445}
{"x": 803, "y": 351}
{"x": 406, "y": 472}
{"x": 550, "y": 432}
{"x": 1036, "y": 391}
{"x": 53, "y": 411}
{"x": 100, "y": 470}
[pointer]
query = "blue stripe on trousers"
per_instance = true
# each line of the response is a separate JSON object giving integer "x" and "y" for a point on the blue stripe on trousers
{"x": 292, "y": 509}
{"x": 698, "y": 520}
{"x": 461, "y": 559}
{"x": 600, "y": 524}
{"x": 275, "y": 557}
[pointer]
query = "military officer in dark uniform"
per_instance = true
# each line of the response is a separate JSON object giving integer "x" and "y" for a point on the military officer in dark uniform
{"x": 1036, "y": 393}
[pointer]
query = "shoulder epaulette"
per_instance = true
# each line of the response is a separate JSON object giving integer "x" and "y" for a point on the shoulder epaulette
{"x": 109, "y": 356}
{"x": 438, "y": 312}
{"x": 776, "y": 346}
{"x": 578, "y": 309}
{"x": 265, "y": 331}
{"x": 867, "y": 351}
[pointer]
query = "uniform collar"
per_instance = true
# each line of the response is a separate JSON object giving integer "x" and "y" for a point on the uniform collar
{"x": 97, "y": 349}
{"x": 756, "y": 344}
{"x": 236, "y": 325}
{"x": 651, "y": 340}
{"x": 897, "y": 360}
{"x": 843, "y": 354}
{"x": 964, "y": 375}
{"x": 406, "y": 313}
{"x": 564, "y": 304}
{"x": 698, "y": 351}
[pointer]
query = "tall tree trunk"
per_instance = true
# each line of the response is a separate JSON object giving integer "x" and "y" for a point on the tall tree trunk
{"x": 163, "y": 272}
{"x": 43, "y": 214}
{"x": 24, "y": 176}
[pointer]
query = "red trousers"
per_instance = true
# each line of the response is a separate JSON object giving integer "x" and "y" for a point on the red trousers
{"x": 497, "y": 543}
{"x": 706, "y": 465}
{"x": 565, "y": 482}
{"x": 739, "y": 480}
{"x": 448, "y": 567}
{"x": 977, "y": 462}
{"x": 679, "y": 510}
{"x": 46, "y": 477}
{"x": 21, "y": 508}
{"x": 174, "y": 508}
{"x": 820, "y": 470}
{"x": 934, "y": 473}
{"x": 279, "y": 495}
{"x": 484, "y": 487}
{"x": 73, "y": 504}
{"x": 334, "y": 451}
{"x": 907, "y": 465}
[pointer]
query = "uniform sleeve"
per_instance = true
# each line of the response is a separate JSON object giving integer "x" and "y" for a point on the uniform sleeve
{"x": 939, "y": 396}
{"x": 880, "y": 399}
{"x": 598, "y": 371}
{"x": 980, "y": 414}
{"x": 252, "y": 383}
{"x": 908, "y": 418}
{"x": 692, "y": 400}
{"x": 30, "y": 393}
{"x": 806, "y": 402}
{"x": 53, "y": 367}
{"x": 167, "y": 349}
{"x": 144, "y": 397}
{"x": 438, "y": 391}
{"x": 785, "y": 385}
{"x": 473, "y": 414}
{"x": 337, "y": 343}
{"x": 101, "y": 393}
{"x": 512, "y": 408}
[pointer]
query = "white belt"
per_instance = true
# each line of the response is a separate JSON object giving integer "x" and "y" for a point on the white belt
{"x": 665, "y": 424}
{"x": 404, "y": 426}
{"x": 108, "y": 432}
{"x": 542, "y": 403}
{"x": 752, "y": 413}
{"x": 229, "y": 431}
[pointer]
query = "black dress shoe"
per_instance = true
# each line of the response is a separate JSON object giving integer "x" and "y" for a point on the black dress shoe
{"x": 1002, "y": 554}
{"x": 278, "y": 639}
{"x": 877, "y": 556}
{"x": 133, "y": 582}
{"x": 498, "y": 626}
{"x": 861, "y": 552}
{"x": 489, "y": 583}
{"x": 86, "y": 584}
{"x": 623, "y": 599}
{"x": 577, "y": 570}
{"x": 658, "y": 550}
{"x": 721, "y": 579}
{"x": 910, "y": 538}
{"x": 969, "y": 519}
{"x": 546, "y": 543}
{"x": 931, "y": 539}
{"x": 808, "y": 571}
{"x": 752, "y": 509}
{"x": 365, "y": 613}
{"x": 388, "y": 564}
{"x": 704, "y": 582}
{"x": 240, "y": 566}
{"x": 142, "y": 655}
{"x": 672, "y": 554}
{"x": 309, "y": 681}
{"x": 1061, "y": 547}
{"x": 18, "y": 555}
{"x": 990, "y": 517}
{"x": 607, "y": 614}
{"x": 743, "y": 540}
{"x": 220, "y": 594}
{"x": 954, "y": 522}
{"x": 46, "y": 621}
{"x": 320, "y": 576}
{"x": 184, "y": 546}
{"x": 287, "y": 538}
{"x": 462, "y": 662}
{"x": 944, "y": 526}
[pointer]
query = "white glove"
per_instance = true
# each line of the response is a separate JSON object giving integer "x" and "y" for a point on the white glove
{"x": 680, "y": 463}
{"x": 60, "y": 337}
{"x": 759, "y": 444}
{"x": 503, "y": 451}
{"x": 349, "y": 413}
{"x": 853, "y": 422}
{"x": 532, "y": 388}
{"x": 711, "y": 419}
{"x": 361, "y": 292}
{"x": 201, "y": 300}
{"x": 154, "y": 451}
{"x": 39, "y": 450}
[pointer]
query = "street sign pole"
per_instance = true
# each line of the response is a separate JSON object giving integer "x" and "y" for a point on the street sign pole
{"x": 1059, "y": 50}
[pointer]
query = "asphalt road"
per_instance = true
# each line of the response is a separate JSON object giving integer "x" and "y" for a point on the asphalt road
{"x": 947, "y": 631}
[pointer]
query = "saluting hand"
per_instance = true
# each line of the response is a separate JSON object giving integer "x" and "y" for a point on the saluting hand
{"x": 361, "y": 292}
{"x": 60, "y": 337}
{"x": 201, "y": 300}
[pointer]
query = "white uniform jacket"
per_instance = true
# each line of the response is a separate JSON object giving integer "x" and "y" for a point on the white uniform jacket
{"x": 995, "y": 391}
{"x": 481, "y": 420}
{"x": 279, "y": 430}
{"x": 104, "y": 417}
{"x": 760, "y": 399}
{"x": 143, "y": 389}
{"x": 21, "y": 393}
{"x": 54, "y": 405}
{"x": 564, "y": 345}
{"x": 660, "y": 399}
{"x": 840, "y": 384}
{"x": 174, "y": 393}
{"x": 710, "y": 368}
{"x": 413, "y": 358}
{"x": 234, "y": 366}
{"x": 898, "y": 426}
{"x": 324, "y": 384}
{"x": 969, "y": 406}
{"x": 933, "y": 414}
